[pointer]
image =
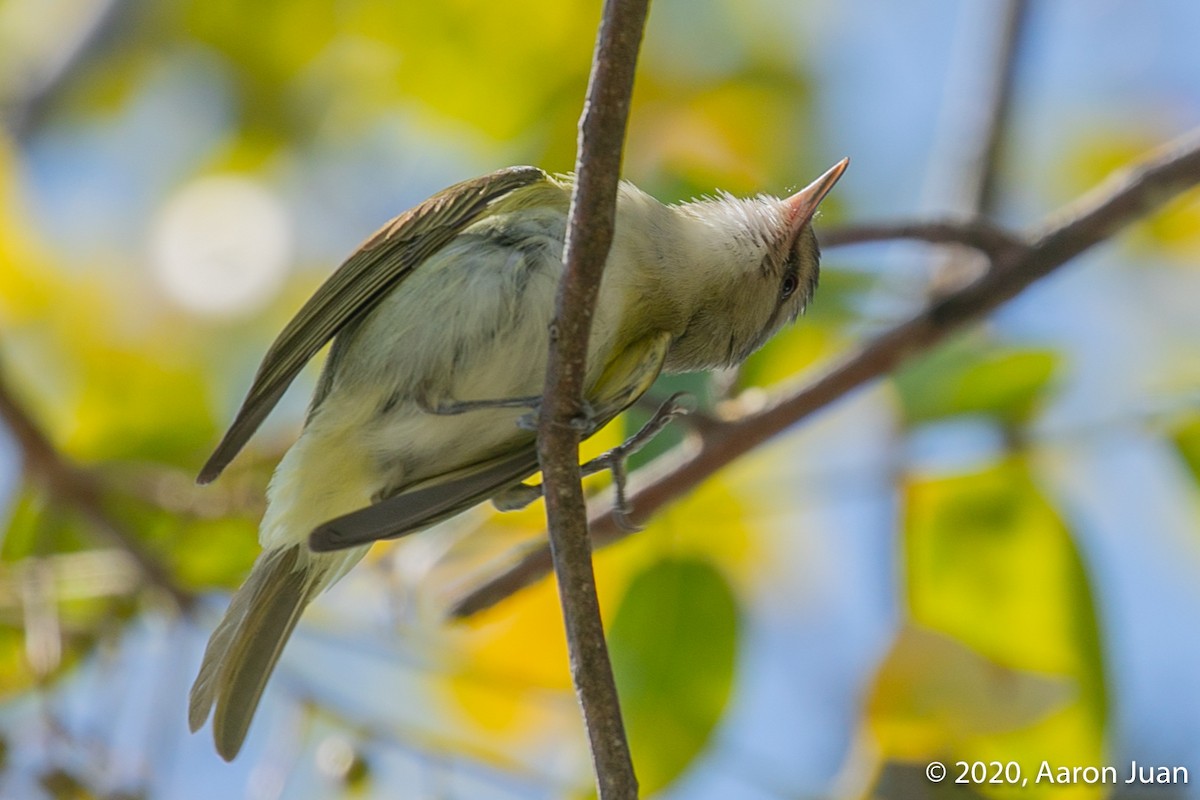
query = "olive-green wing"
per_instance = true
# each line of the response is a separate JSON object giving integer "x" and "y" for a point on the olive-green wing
{"x": 624, "y": 380}
{"x": 356, "y": 287}
{"x": 417, "y": 508}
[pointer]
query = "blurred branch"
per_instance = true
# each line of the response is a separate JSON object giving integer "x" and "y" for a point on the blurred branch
{"x": 978, "y": 234}
{"x": 494, "y": 767}
{"x": 74, "y": 51}
{"x": 973, "y": 147}
{"x": 588, "y": 239}
{"x": 970, "y": 143}
{"x": 76, "y": 487}
{"x": 1015, "y": 261}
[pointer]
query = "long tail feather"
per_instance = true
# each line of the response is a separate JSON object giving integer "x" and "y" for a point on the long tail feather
{"x": 246, "y": 645}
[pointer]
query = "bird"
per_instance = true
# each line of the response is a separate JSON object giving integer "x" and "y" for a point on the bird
{"x": 440, "y": 327}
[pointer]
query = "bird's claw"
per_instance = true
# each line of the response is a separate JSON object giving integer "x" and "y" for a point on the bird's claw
{"x": 615, "y": 460}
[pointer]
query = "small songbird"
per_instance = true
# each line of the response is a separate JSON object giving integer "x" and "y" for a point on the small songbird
{"x": 440, "y": 328}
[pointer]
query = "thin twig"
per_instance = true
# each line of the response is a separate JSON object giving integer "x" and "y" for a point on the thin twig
{"x": 589, "y": 237}
{"x": 971, "y": 145}
{"x": 1124, "y": 198}
{"x": 971, "y": 142}
{"x": 978, "y": 234}
{"x": 72, "y": 485}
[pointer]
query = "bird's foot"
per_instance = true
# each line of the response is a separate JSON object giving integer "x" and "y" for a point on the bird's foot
{"x": 615, "y": 461}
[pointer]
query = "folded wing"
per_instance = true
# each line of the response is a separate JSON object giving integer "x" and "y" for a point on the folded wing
{"x": 356, "y": 287}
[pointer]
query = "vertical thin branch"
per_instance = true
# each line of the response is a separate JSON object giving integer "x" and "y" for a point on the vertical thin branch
{"x": 971, "y": 143}
{"x": 978, "y": 157}
{"x": 589, "y": 237}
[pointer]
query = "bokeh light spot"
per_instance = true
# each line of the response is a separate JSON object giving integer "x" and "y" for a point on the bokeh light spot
{"x": 221, "y": 246}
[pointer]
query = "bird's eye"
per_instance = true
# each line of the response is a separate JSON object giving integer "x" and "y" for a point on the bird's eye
{"x": 789, "y": 287}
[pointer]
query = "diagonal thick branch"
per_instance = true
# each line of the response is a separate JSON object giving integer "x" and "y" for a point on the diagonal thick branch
{"x": 589, "y": 236}
{"x": 1015, "y": 263}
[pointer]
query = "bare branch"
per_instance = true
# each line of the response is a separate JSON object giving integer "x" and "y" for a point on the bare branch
{"x": 589, "y": 237}
{"x": 74, "y": 486}
{"x": 971, "y": 146}
{"x": 978, "y": 234}
{"x": 1123, "y": 199}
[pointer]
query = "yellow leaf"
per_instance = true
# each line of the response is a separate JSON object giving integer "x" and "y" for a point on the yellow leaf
{"x": 1176, "y": 228}
{"x": 991, "y": 563}
{"x": 932, "y": 693}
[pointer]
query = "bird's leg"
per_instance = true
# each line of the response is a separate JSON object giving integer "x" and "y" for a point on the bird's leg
{"x": 456, "y": 407}
{"x": 528, "y": 422}
{"x": 521, "y": 495}
{"x": 615, "y": 460}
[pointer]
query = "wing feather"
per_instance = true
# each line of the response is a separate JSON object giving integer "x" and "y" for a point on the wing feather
{"x": 356, "y": 287}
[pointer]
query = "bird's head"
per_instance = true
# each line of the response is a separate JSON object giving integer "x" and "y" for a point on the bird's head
{"x": 754, "y": 263}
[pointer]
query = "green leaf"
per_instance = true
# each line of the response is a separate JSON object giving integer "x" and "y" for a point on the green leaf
{"x": 41, "y": 525}
{"x": 969, "y": 377}
{"x": 674, "y": 644}
{"x": 1186, "y": 438}
{"x": 213, "y": 552}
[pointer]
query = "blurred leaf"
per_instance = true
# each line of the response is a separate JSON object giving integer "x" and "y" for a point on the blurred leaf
{"x": 497, "y": 66}
{"x": 1186, "y": 438}
{"x": 969, "y": 377}
{"x": 24, "y": 518}
{"x": 61, "y": 784}
{"x": 838, "y": 291}
{"x": 1094, "y": 155}
{"x": 932, "y": 692}
{"x": 991, "y": 564}
{"x": 39, "y": 526}
{"x": 203, "y": 553}
{"x": 716, "y": 523}
{"x": 30, "y": 282}
{"x": 812, "y": 338}
{"x": 358, "y": 777}
{"x": 512, "y": 652}
{"x": 722, "y": 133}
{"x": 674, "y": 644}
{"x": 267, "y": 46}
{"x": 789, "y": 353}
{"x": 138, "y": 405}
{"x": 15, "y": 674}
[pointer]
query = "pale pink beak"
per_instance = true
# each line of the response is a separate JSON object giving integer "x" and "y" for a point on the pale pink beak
{"x": 803, "y": 204}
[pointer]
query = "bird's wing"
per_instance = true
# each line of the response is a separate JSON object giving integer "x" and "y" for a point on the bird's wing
{"x": 356, "y": 287}
{"x": 623, "y": 381}
{"x": 627, "y": 376}
{"x": 419, "y": 507}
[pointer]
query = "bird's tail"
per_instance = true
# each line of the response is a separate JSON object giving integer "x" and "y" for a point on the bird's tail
{"x": 246, "y": 645}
